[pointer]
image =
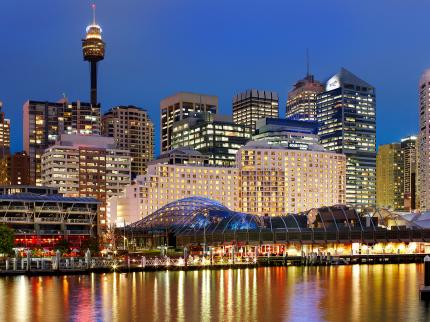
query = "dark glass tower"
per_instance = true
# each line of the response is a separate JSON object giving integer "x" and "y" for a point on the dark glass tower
{"x": 93, "y": 49}
{"x": 346, "y": 113}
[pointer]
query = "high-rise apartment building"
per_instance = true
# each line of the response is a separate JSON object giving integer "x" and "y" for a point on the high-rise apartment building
{"x": 211, "y": 134}
{"x": 346, "y": 113}
{"x": 302, "y": 100}
{"x": 424, "y": 142}
{"x": 178, "y": 107}
{"x": 20, "y": 169}
{"x": 4, "y": 148}
{"x": 87, "y": 166}
{"x": 275, "y": 180}
{"x": 301, "y": 135}
{"x": 44, "y": 122}
{"x": 132, "y": 130}
{"x": 390, "y": 176}
{"x": 410, "y": 166}
{"x": 252, "y": 105}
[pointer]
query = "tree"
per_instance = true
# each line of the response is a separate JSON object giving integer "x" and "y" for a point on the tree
{"x": 63, "y": 246}
{"x": 6, "y": 240}
{"x": 92, "y": 244}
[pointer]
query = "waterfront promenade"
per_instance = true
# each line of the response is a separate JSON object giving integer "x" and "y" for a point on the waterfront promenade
{"x": 86, "y": 265}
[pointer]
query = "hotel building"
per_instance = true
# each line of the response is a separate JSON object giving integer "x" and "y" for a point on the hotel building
{"x": 275, "y": 180}
{"x": 178, "y": 107}
{"x": 211, "y": 134}
{"x": 166, "y": 183}
{"x": 389, "y": 177}
{"x": 132, "y": 130}
{"x": 87, "y": 166}
{"x": 252, "y": 105}
{"x": 346, "y": 113}
{"x": 302, "y": 100}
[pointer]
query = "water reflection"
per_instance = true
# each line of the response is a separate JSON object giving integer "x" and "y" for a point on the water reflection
{"x": 346, "y": 293}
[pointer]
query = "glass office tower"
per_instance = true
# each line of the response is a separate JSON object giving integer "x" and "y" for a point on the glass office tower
{"x": 346, "y": 113}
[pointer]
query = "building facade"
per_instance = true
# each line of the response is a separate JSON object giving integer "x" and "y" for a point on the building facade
{"x": 20, "y": 169}
{"x": 44, "y": 220}
{"x": 408, "y": 146}
{"x": 211, "y": 134}
{"x": 275, "y": 180}
{"x": 302, "y": 99}
{"x": 182, "y": 155}
{"x": 44, "y": 122}
{"x": 87, "y": 166}
{"x": 390, "y": 176}
{"x": 268, "y": 180}
{"x": 252, "y": 105}
{"x": 4, "y": 147}
{"x": 346, "y": 113}
{"x": 132, "y": 130}
{"x": 178, "y": 107}
{"x": 424, "y": 142}
{"x": 165, "y": 183}
{"x": 302, "y": 135}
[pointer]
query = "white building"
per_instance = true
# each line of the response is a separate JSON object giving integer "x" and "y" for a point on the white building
{"x": 275, "y": 180}
{"x": 87, "y": 166}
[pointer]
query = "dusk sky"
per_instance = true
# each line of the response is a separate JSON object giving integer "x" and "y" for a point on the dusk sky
{"x": 155, "y": 48}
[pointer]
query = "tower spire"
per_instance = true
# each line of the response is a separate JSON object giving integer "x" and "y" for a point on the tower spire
{"x": 93, "y": 6}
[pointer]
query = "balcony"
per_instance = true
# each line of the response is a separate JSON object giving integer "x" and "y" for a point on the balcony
{"x": 79, "y": 221}
{"x": 47, "y": 219}
{"x": 47, "y": 209}
{"x": 16, "y": 219}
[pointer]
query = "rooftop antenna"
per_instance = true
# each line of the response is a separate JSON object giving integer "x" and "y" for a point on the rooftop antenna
{"x": 94, "y": 13}
{"x": 307, "y": 62}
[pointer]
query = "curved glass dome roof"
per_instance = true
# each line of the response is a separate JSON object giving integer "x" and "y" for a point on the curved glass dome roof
{"x": 197, "y": 213}
{"x": 201, "y": 215}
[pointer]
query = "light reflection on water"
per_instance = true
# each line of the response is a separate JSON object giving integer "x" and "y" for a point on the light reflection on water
{"x": 346, "y": 293}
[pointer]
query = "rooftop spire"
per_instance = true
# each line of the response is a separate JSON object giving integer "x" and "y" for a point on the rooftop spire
{"x": 93, "y": 6}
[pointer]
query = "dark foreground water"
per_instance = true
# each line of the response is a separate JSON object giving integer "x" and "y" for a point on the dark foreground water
{"x": 345, "y": 293}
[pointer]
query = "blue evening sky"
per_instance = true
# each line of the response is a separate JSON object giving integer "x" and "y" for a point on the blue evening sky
{"x": 155, "y": 48}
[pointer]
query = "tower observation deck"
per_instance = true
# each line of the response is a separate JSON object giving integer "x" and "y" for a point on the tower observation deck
{"x": 93, "y": 49}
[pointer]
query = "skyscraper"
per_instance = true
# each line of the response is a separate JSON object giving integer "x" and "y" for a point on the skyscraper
{"x": 346, "y": 113}
{"x": 390, "y": 176}
{"x": 93, "y": 49}
{"x": 213, "y": 135}
{"x": 410, "y": 166}
{"x": 179, "y": 106}
{"x": 302, "y": 100}
{"x": 132, "y": 130}
{"x": 424, "y": 142}
{"x": 252, "y": 105}
{"x": 4, "y": 148}
{"x": 44, "y": 122}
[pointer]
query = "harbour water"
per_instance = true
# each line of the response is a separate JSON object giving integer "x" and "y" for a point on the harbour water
{"x": 333, "y": 293}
